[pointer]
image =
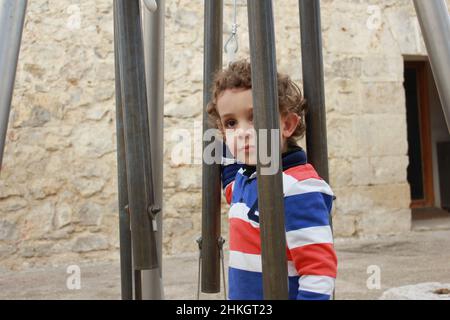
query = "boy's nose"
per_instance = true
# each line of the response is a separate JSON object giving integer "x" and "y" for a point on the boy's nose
{"x": 245, "y": 131}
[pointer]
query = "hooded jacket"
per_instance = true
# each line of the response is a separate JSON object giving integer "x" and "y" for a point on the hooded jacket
{"x": 312, "y": 261}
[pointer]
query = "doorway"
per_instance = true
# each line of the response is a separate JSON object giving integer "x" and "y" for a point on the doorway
{"x": 420, "y": 170}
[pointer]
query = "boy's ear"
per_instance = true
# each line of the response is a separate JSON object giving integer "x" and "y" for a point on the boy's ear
{"x": 290, "y": 122}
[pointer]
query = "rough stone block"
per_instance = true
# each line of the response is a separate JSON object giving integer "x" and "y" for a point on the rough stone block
{"x": 340, "y": 170}
{"x": 382, "y": 68}
{"x": 38, "y": 222}
{"x": 383, "y": 97}
{"x": 380, "y": 135}
{"x": 90, "y": 214}
{"x": 8, "y": 230}
{"x": 375, "y": 222}
{"x": 90, "y": 243}
{"x": 344, "y": 225}
{"x": 63, "y": 215}
{"x": 343, "y": 96}
{"x": 340, "y": 136}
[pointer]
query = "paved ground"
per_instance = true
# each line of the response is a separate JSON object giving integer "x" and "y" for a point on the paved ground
{"x": 420, "y": 256}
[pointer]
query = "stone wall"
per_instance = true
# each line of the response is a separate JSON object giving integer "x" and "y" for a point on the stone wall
{"x": 58, "y": 198}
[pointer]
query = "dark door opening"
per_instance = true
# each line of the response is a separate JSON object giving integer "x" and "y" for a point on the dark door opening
{"x": 420, "y": 174}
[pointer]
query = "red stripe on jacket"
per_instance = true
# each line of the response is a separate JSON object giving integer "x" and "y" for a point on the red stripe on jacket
{"x": 229, "y": 192}
{"x": 315, "y": 260}
{"x": 244, "y": 237}
{"x": 304, "y": 172}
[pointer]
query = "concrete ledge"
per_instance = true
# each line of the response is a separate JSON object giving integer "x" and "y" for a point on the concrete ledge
{"x": 421, "y": 291}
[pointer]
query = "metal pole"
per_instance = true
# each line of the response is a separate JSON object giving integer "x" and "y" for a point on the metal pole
{"x": 126, "y": 266}
{"x": 266, "y": 112}
{"x": 434, "y": 21}
{"x": 211, "y": 197}
{"x": 136, "y": 128}
{"x": 153, "y": 25}
{"x": 12, "y": 17}
{"x": 313, "y": 86}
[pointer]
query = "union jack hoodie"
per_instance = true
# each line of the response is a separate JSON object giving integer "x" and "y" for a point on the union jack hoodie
{"x": 312, "y": 261}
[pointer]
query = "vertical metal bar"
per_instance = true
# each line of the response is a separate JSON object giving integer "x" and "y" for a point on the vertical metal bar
{"x": 211, "y": 198}
{"x": 137, "y": 140}
{"x": 137, "y": 284}
{"x": 12, "y": 17}
{"x": 434, "y": 21}
{"x": 266, "y": 111}
{"x": 126, "y": 266}
{"x": 153, "y": 31}
{"x": 313, "y": 86}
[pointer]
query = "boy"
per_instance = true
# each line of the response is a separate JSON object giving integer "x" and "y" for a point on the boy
{"x": 312, "y": 261}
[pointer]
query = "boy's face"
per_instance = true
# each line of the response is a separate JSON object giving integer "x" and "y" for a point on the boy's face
{"x": 235, "y": 107}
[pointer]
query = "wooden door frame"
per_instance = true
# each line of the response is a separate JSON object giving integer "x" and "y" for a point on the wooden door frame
{"x": 425, "y": 133}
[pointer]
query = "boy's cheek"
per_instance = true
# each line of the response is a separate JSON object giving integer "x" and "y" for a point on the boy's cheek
{"x": 229, "y": 141}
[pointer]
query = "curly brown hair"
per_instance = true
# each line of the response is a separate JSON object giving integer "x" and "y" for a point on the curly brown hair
{"x": 238, "y": 76}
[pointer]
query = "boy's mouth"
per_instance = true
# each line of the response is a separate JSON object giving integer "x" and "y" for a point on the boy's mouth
{"x": 248, "y": 148}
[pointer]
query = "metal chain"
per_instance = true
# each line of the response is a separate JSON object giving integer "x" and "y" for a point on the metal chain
{"x": 221, "y": 243}
{"x": 232, "y": 42}
{"x": 199, "y": 242}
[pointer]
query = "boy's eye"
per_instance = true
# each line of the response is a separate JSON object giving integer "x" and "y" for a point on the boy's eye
{"x": 230, "y": 123}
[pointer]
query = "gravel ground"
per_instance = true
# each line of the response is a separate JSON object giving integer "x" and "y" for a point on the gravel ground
{"x": 416, "y": 257}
